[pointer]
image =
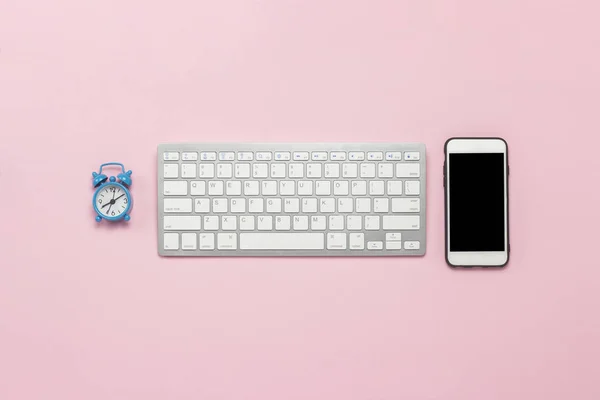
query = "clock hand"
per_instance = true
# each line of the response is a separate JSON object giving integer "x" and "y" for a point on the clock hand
{"x": 112, "y": 201}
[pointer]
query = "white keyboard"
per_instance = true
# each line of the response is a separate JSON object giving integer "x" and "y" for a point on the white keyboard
{"x": 352, "y": 199}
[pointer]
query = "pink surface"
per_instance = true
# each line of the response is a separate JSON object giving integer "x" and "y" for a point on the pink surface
{"x": 90, "y": 311}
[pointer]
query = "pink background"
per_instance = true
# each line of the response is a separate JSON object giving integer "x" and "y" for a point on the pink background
{"x": 90, "y": 311}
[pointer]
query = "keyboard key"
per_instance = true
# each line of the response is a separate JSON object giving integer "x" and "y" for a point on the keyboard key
{"x": 296, "y": 170}
{"x": 393, "y": 237}
{"x": 188, "y": 170}
{"x": 208, "y": 156}
{"x": 207, "y": 241}
{"x": 404, "y": 205}
{"x": 277, "y": 170}
{"x": 412, "y": 245}
{"x": 256, "y": 205}
{"x": 305, "y": 188}
{"x": 363, "y": 205}
{"x": 319, "y": 156}
{"x": 350, "y": 170}
{"x": 327, "y": 205}
{"x": 291, "y": 205}
{"x": 171, "y": 171}
{"x": 300, "y": 223}
{"x": 245, "y": 156}
{"x": 242, "y": 170}
{"x": 238, "y": 205}
{"x": 171, "y": 156}
{"x": 337, "y": 156}
{"x": 175, "y": 188}
{"x": 282, "y": 156}
{"x": 287, "y": 188}
{"x": 269, "y": 188}
{"x": 357, "y": 241}
{"x": 206, "y": 171}
{"x": 356, "y": 156}
{"x": 211, "y": 223}
{"x": 376, "y": 188}
{"x": 412, "y": 188}
{"x": 265, "y": 223}
{"x": 228, "y": 223}
{"x": 354, "y": 223}
{"x": 381, "y": 205}
{"x": 181, "y": 223}
{"x": 372, "y": 223}
{"x": 226, "y": 156}
{"x": 323, "y": 188}
{"x": 171, "y": 241}
{"x": 215, "y": 188}
{"x": 375, "y": 156}
{"x": 394, "y": 188}
{"x": 393, "y": 155}
{"x": 313, "y": 170}
{"x": 282, "y": 241}
{"x": 367, "y": 170}
{"x": 202, "y": 205}
{"x": 401, "y": 222}
{"x": 375, "y": 245}
{"x": 345, "y": 205}
{"x": 264, "y": 156}
{"x": 260, "y": 171}
{"x": 219, "y": 205}
{"x": 227, "y": 241}
{"x": 393, "y": 245}
{"x": 405, "y": 170}
{"x": 247, "y": 223}
{"x": 318, "y": 223}
{"x": 385, "y": 170}
{"x": 189, "y": 241}
{"x": 412, "y": 156}
{"x": 251, "y": 188}
{"x": 332, "y": 171}
{"x": 177, "y": 205}
{"x": 274, "y": 205}
{"x": 301, "y": 156}
{"x": 359, "y": 188}
{"x": 283, "y": 223}
{"x": 309, "y": 205}
{"x": 336, "y": 223}
{"x": 233, "y": 188}
{"x": 340, "y": 188}
{"x": 189, "y": 156}
{"x": 198, "y": 188}
{"x": 224, "y": 170}
{"x": 336, "y": 241}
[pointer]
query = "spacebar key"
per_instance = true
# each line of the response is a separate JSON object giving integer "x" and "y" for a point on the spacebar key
{"x": 282, "y": 241}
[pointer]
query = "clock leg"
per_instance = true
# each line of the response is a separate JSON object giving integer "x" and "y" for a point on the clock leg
{"x": 127, "y": 217}
{"x": 98, "y": 218}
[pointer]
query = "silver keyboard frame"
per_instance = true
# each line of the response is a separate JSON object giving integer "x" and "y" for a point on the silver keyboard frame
{"x": 419, "y": 235}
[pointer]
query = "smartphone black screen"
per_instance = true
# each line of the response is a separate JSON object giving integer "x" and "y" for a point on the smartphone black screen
{"x": 476, "y": 196}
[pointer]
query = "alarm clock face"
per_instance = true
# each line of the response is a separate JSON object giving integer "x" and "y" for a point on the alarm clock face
{"x": 112, "y": 201}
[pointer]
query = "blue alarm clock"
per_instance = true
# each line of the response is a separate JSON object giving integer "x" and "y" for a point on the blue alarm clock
{"x": 112, "y": 200}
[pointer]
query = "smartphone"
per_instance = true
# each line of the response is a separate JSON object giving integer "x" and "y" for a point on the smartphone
{"x": 476, "y": 202}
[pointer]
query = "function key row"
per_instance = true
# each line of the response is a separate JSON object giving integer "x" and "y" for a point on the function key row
{"x": 288, "y": 156}
{"x": 292, "y": 170}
